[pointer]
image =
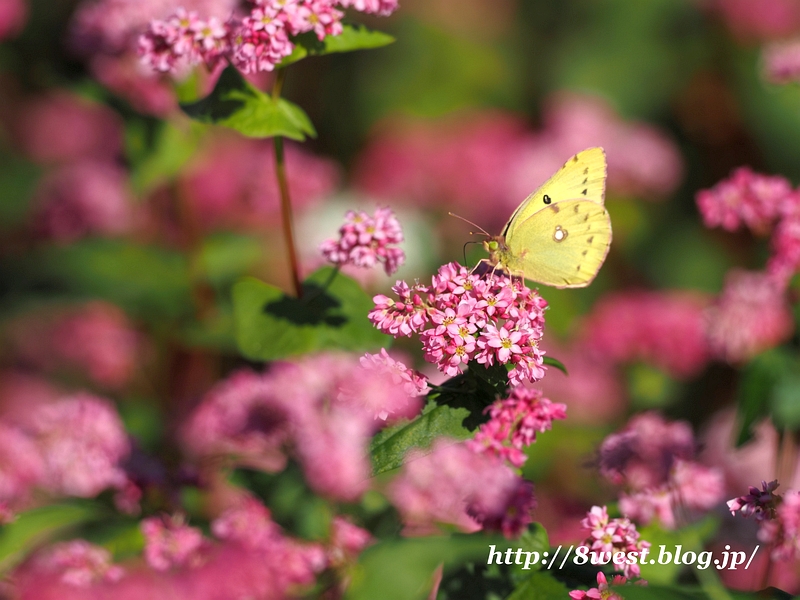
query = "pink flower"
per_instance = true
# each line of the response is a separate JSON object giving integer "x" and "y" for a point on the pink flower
{"x": 13, "y": 14}
{"x": 783, "y": 531}
{"x": 364, "y": 241}
{"x": 781, "y": 62}
{"x": 318, "y": 16}
{"x": 412, "y": 383}
{"x": 750, "y": 316}
{"x": 746, "y": 198}
{"x": 514, "y": 424}
{"x": 21, "y": 466}
{"x": 82, "y": 199}
{"x": 242, "y": 416}
{"x": 612, "y": 535}
{"x": 170, "y": 543}
{"x": 453, "y": 485}
{"x": 602, "y": 591}
{"x": 760, "y": 504}
{"x": 379, "y": 7}
{"x": 785, "y": 259}
{"x": 765, "y": 19}
{"x": 231, "y": 182}
{"x": 125, "y": 77}
{"x": 82, "y": 441}
{"x": 347, "y": 541}
{"x": 77, "y": 563}
{"x": 485, "y": 318}
{"x": 666, "y": 330}
{"x": 63, "y": 127}
{"x": 643, "y": 454}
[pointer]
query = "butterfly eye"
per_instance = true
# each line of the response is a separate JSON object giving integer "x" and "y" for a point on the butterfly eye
{"x": 492, "y": 245}
{"x": 547, "y": 199}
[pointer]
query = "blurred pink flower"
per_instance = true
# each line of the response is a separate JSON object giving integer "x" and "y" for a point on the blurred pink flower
{"x": 96, "y": 339}
{"x": 782, "y": 533}
{"x": 83, "y": 199}
{"x": 13, "y": 15}
{"x": 347, "y": 541}
{"x": 243, "y": 416}
{"x": 644, "y": 453}
{"x": 111, "y": 26}
{"x": 781, "y": 62}
{"x": 746, "y": 198}
{"x": 785, "y": 259}
{"x": 21, "y": 466}
{"x": 691, "y": 488}
{"x": 759, "y": 503}
{"x": 593, "y": 390}
{"x": 21, "y": 392}
{"x": 62, "y": 127}
{"x": 514, "y": 423}
{"x": 751, "y": 315}
{"x": 414, "y": 384}
{"x": 450, "y": 484}
{"x": 82, "y": 441}
{"x": 76, "y": 563}
{"x": 232, "y": 182}
{"x": 365, "y": 241}
{"x": 462, "y": 162}
{"x": 145, "y": 91}
{"x": 170, "y": 543}
{"x": 324, "y": 407}
{"x": 642, "y": 160}
{"x": 753, "y": 461}
{"x": 663, "y": 329}
{"x": 764, "y": 19}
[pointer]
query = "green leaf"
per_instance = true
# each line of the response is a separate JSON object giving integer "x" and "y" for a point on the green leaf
{"x": 39, "y": 525}
{"x": 353, "y": 37}
{"x": 390, "y": 446}
{"x": 236, "y": 104}
{"x": 403, "y": 569}
{"x": 756, "y": 387}
{"x": 173, "y": 147}
{"x": 540, "y": 586}
{"x": 685, "y": 592}
{"x": 554, "y": 362}
{"x": 271, "y": 325}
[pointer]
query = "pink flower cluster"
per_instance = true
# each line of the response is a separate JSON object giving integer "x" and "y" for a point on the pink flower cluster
{"x": 603, "y": 590}
{"x": 463, "y": 317}
{"x": 751, "y": 315}
{"x": 514, "y": 423}
{"x": 96, "y": 339}
{"x": 248, "y": 557}
{"x": 778, "y": 518}
{"x": 323, "y": 409}
{"x": 666, "y": 330}
{"x": 781, "y": 61}
{"x": 764, "y": 204}
{"x": 13, "y": 14}
{"x": 483, "y": 164}
{"x": 766, "y": 19}
{"x": 365, "y": 241}
{"x": 72, "y": 446}
{"x": 609, "y": 536}
{"x": 451, "y": 484}
{"x": 257, "y": 42}
{"x": 653, "y": 460}
{"x": 230, "y": 183}
{"x": 760, "y": 504}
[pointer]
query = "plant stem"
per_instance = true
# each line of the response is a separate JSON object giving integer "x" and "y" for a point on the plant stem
{"x": 286, "y": 202}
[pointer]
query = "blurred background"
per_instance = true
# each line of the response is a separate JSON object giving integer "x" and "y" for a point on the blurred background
{"x": 123, "y": 225}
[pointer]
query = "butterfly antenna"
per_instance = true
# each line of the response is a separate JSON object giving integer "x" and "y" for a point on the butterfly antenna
{"x": 482, "y": 230}
{"x": 465, "y": 250}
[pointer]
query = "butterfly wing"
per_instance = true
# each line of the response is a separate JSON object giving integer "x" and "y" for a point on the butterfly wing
{"x": 582, "y": 176}
{"x": 562, "y": 245}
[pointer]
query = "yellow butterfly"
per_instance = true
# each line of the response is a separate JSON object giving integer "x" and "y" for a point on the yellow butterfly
{"x": 561, "y": 233}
